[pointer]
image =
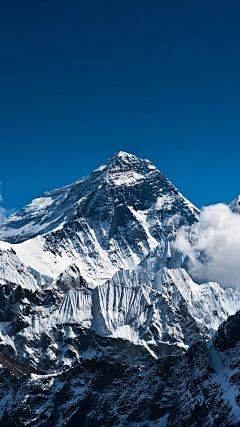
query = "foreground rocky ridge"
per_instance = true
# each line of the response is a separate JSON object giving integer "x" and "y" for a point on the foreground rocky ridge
{"x": 200, "y": 388}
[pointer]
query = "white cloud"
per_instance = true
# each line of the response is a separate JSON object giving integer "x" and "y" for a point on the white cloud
{"x": 4, "y": 213}
{"x": 1, "y": 198}
{"x": 213, "y": 246}
{"x": 173, "y": 220}
{"x": 207, "y": 127}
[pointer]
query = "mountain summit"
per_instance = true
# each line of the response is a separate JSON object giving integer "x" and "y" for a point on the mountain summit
{"x": 110, "y": 219}
{"x": 122, "y": 156}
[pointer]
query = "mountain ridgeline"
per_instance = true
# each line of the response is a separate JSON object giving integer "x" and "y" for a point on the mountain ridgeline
{"x": 100, "y": 322}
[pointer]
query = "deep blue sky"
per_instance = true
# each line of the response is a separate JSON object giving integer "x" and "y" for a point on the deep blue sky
{"x": 81, "y": 80}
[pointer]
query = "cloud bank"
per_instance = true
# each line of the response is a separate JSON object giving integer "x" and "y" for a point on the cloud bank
{"x": 212, "y": 246}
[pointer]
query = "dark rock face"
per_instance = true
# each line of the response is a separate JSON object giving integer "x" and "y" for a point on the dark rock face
{"x": 71, "y": 279}
{"x": 16, "y": 368}
{"x": 228, "y": 335}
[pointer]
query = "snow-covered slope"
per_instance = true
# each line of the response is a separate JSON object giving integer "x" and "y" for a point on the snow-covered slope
{"x": 109, "y": 220}
{"x": 14, "y": 272}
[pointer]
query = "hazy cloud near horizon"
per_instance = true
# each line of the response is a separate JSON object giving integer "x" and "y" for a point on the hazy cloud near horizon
{"x": 4, "y": 213}
{"x": 1, "y": 198}
{"x": 213, "y": 246}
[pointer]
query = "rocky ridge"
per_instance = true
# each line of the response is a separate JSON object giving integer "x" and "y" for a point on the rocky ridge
{"x": 199, "y": 388}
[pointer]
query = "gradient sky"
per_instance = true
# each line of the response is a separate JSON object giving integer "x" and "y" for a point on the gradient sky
{"x": 81, "y": 80}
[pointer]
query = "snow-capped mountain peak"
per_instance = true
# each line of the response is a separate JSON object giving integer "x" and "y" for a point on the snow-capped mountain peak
{"x": 122, "y": 156}
{"x": 111, "y": 219}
